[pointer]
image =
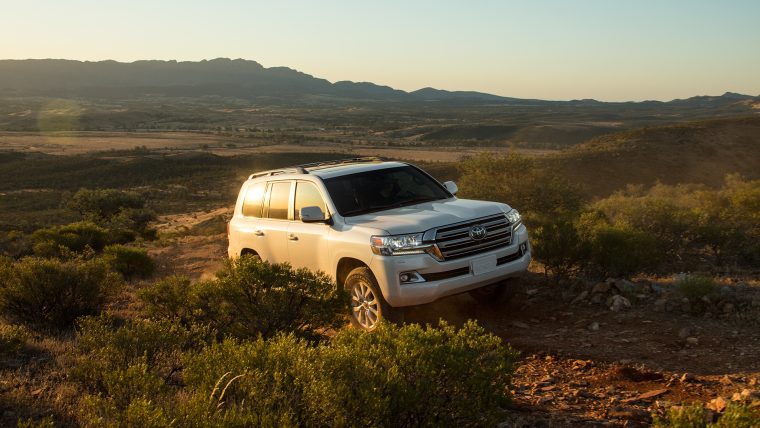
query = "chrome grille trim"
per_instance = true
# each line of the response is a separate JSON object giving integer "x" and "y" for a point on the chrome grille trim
{"x": 454, "y": 240}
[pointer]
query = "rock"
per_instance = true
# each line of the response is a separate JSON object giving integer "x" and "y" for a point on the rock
{"x": 581, "y": 297}
{"x": 687, "y": 377}
{"x": 717, "y": 404}
{"x": 594, "y": 326}
{"x": 653, "y": 393}
{"x": 684, "y": 332}
{"x": 628, "y": 413}
{"x": 692, "y": 341}
{"x": 756, "y": 302}
{"x": 531, "y": 292}
{"x": 624, "y": 286}
{"x": 618, "y": 303}
{"x": 519, "y": 324}
{"x": 601, "y": 288}
{"x": 597, "y": 298}
{"x": 660, "y": 305}
{"x": 728, "y": 308}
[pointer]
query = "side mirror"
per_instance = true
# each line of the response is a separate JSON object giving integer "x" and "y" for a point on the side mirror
{"x": 312, "y": 215}
{"x": 451, "y": 187}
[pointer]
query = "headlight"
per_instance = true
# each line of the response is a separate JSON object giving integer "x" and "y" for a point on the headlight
{"x": 399, "y": 244}
{"x": 514, "y": 217}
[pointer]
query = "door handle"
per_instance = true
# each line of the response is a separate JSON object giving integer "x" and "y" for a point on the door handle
{"x": 293, "y": 237}
{"x": 258, "y": 233}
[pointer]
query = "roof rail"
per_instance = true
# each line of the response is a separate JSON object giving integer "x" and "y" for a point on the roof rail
{"x": 288, "y": 170}
{"x": 341, "y": 161}
{"x": 301, "y": 169}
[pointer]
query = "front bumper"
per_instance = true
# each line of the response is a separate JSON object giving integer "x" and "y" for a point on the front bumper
{"x": 387, "y": 269}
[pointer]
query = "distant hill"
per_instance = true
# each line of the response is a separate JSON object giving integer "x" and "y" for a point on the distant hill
{"x": 693, "y": 152}
{"x": 221, "y": 76}
{"x": 248, "y": 80}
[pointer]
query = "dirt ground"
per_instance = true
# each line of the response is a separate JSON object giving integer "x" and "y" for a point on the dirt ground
{"x": 74, "y": 143}
{"x": 582, "y": 362}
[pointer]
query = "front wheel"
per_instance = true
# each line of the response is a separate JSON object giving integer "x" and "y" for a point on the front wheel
{"x": 368, "y": 306}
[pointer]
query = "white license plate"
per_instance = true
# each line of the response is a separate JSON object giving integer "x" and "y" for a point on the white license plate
{"x": 483, "y": 264}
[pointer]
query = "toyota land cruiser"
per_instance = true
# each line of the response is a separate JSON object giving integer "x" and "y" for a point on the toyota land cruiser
{"x": 388, "y": 232}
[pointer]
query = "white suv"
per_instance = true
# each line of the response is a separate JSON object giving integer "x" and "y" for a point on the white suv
{"x": 388, "y": 232}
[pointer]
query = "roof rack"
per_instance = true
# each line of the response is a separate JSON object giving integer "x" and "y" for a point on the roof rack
{"x": 301, "y": 169}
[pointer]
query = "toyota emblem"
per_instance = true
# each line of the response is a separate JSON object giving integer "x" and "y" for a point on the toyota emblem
{"x": 478, "y": 232}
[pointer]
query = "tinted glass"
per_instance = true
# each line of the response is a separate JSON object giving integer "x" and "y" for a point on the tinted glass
{"x": 278, "y": 200}
{"x": 307, "y": 195}
{"x": 381, "y": 189}
{"x": 254, "y": 198}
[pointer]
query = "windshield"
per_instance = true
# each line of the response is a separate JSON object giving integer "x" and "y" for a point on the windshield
{"x": 382, "y": 189}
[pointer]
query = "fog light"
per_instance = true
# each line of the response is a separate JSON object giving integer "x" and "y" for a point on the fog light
{"x": 410, "y": 277}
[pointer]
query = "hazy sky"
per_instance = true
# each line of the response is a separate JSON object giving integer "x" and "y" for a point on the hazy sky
{"x": 608, "y": 50}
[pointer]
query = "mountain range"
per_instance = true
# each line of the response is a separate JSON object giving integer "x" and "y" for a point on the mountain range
{"x": 241, "y": 79}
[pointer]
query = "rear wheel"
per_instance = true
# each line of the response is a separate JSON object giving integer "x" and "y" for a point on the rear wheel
{"x": 368, "y": 306}
{"x": 494, "y": 294}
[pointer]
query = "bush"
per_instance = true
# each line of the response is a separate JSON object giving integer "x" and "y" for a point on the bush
{"x": 75, "y": 237}
{"x": 12, "y": 339}
{"x": 616, "y": 250}
{"x": 53, "y": 293}
{"x": 695, "y": 286}
{"x": 128, "y": 261}
{"x": 520, "y": 182}
{"x": 250, "y": 297}
{"x": 559, "y": 246}
{"x": 695, "y": 416}
{"x": 395, "y": 376}
{"x": 15, "y": 244}
{"x": 103, "y": 204}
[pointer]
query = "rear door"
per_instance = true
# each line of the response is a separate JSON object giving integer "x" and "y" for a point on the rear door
{"x": 307, "y": 242}
{"x": 274, "y": 222}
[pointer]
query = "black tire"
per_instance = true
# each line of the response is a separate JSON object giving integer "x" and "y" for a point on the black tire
{"x": 495, "y": 294}
{"x": 367, "y": 304}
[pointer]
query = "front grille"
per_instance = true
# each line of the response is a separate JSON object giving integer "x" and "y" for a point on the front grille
{"x": 454, "y": 241}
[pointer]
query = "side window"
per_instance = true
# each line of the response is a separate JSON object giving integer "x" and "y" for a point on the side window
{"x": 279, "y": 194}
{"x": 307, "y": 195}
{"x": 254, "y": 198}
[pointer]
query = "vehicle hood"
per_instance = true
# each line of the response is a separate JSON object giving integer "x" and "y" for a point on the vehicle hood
{"x": 427, "y": 215}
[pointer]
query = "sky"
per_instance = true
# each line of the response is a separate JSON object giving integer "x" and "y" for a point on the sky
{"x": 611, "y": 50}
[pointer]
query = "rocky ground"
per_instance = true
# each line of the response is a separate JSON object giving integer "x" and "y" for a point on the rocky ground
{"x": 608, "y": 353}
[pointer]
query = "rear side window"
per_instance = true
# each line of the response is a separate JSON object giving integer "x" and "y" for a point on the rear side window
{"x": 254, "y": 200}
{"x": 279, "y": 194}
{"x": 307, "y": 195}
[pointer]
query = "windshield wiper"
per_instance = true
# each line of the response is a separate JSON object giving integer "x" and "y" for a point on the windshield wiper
{"x": 408, "y": 202}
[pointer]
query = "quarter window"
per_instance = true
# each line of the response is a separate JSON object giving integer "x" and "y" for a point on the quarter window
{"x": 254, "y": 198}
{"x": 278, "y": 200}
{"x": 307, "y": 195}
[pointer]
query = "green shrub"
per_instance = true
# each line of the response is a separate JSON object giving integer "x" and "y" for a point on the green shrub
{"x": 102, "y": 347}
{"x": 15, "y": 244}
{"x": 75, "y": 237}
{"x": 395, "y": 376}
{"x": 559, "y": 246}
{"x": 695, "y": 416}
{"x": 53, "y": 293}
{"x": 251, "y": 297}
{"x": 692, "y": 416}
{"x": 129, "y": 261}
{"x": 12, "y": 338}
{"x": 520, "y": 182}
{"x": 695, "y": 286}
{"x": 103, "y": 204}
